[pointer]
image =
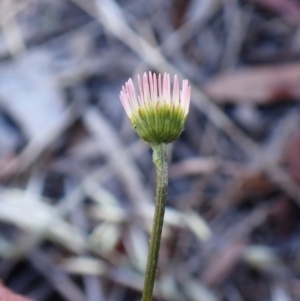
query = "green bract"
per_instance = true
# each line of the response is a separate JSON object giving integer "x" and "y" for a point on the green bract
{"x": 160, "y": 123}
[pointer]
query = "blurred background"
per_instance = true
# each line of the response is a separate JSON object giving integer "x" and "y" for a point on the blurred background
{"x": 77, "y": 185}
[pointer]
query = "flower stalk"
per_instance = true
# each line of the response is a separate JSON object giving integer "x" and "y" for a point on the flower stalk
{"x": 158, "y": 117}
{"x": 160, "y": 159}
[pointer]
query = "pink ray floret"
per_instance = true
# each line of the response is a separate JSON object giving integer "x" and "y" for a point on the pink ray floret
{"x": 153, "y": 89}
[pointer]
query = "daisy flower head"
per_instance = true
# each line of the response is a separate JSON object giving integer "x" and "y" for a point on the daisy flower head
{"x": 157, "y": 113}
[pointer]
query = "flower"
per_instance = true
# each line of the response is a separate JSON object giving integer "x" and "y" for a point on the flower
{"x": 156, "y": 115}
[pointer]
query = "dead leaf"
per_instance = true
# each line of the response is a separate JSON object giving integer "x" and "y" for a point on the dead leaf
{"x": 260, "y": 85}
{"x": 223, "y": 263}
{"x": 33, "y": 214}
{"x": 290, "y": 8}
{"x": 8, "y": 295}
{"x": 30, "y": 94}
{"x": 292, "y": 156}
{"x": 194, "y": 166}
{"x": 179, "y": 10}
{"x": 248, "y": 185}
{"x": 282, "y": 216}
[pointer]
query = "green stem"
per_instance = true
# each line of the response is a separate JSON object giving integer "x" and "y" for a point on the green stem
{"x": 160, "y": 159}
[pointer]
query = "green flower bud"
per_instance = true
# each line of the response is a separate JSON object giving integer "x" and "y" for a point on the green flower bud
{"x": 157, "y": 116}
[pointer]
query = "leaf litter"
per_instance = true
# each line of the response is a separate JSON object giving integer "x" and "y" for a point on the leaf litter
{"x": 76, "y": 197}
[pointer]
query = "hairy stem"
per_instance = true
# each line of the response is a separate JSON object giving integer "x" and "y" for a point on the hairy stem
{"x": 160, "y": 159}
